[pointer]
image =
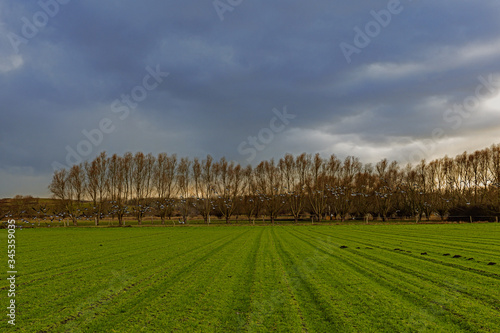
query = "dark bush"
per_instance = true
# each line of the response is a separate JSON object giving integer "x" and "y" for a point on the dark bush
{"x": 478, "y": 213}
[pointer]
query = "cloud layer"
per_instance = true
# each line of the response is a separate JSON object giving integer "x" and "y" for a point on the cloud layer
{"x": 412, "y": 91}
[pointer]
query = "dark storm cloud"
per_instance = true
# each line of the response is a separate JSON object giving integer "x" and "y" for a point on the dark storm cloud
{"x": 226, "y": 77}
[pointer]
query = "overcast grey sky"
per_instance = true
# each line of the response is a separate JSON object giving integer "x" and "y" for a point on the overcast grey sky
{"x": 249, "y": 80}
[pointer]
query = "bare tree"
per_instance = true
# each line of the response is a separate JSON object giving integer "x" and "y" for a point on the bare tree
{"x": 385, "y": 187}
{"x": 228, "y": 185}
{"x": 183, "y": 184}
{"x": 164, "y": 177}
{"x": 59, "y": 184}
{"x": 364, "y": 186}
{"x": 92, "y": 188}
{"x": 294, "y": 171}
{"x": 333, "y": 175}
{"x": 345, "y": 192}
{"x": 68, "y": 187}
{"x": 76, "y": 182}
{"x": 410, "y": 191}
{"x": 494, "y": 168}
{"x": 120, "y": 185}
{"x": 270, "y": 187}
{"x": 317, "y": 187}
{"x": 204, "y": 180}
{"x": 142, "y": 181}
{"x": 96, "y": 174}
{"x": 60, "y": 188}
{"x": 442, "y": 199}
{"x": 425, "y": 190}
{"x": 251, "y": 200}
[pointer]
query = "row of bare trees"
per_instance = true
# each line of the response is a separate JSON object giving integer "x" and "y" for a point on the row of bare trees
{"x": 296, "y": 186}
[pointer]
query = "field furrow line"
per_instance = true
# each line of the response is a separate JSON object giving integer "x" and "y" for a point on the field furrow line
{"x": 408, "y": 285}
{"x": 155, "y": 288}
{"x": 139, "y": 287}
{"x": 371, "y": 244}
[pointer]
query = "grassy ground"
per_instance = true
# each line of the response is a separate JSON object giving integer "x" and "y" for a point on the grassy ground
{"x": 348, "y": 278}
{"x": 282, "y": 221}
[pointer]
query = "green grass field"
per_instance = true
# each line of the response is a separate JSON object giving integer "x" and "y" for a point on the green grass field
{"x": 347, "y": 278}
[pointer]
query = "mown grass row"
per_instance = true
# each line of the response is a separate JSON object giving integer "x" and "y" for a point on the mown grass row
{"x": 463, "y": 297}
{"x": 78, "y": 288}
{"x": 259, "y": 279}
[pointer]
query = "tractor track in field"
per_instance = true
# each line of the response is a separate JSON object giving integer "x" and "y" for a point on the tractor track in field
{"x": 450, "y": 238}
{"x": 207, "y": 290}
{"x": 224, "y": 267}
{"x": 77, "y": 255}
{"x": 114, "y": 240}
{"x": 423, "y": 258}
{"x": 94, "y": 259}
{"x": 172, "y": 280}
{"x": 425, "y": 242}
{"x": 349, "y": 318}
{"x": 291, "y": 292}
{"x": 415, "y": 298}
{"x": 107, "y": 299}
{"x": 98, "y": 264}
{"x": 300, "y": 282}
{"x": 493, "y": 302}
{"x": 248, "y": 277}
{"x": 442, "y": 244}
{"x": 394, "y": 285}
{"x": 268, "y": 304}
